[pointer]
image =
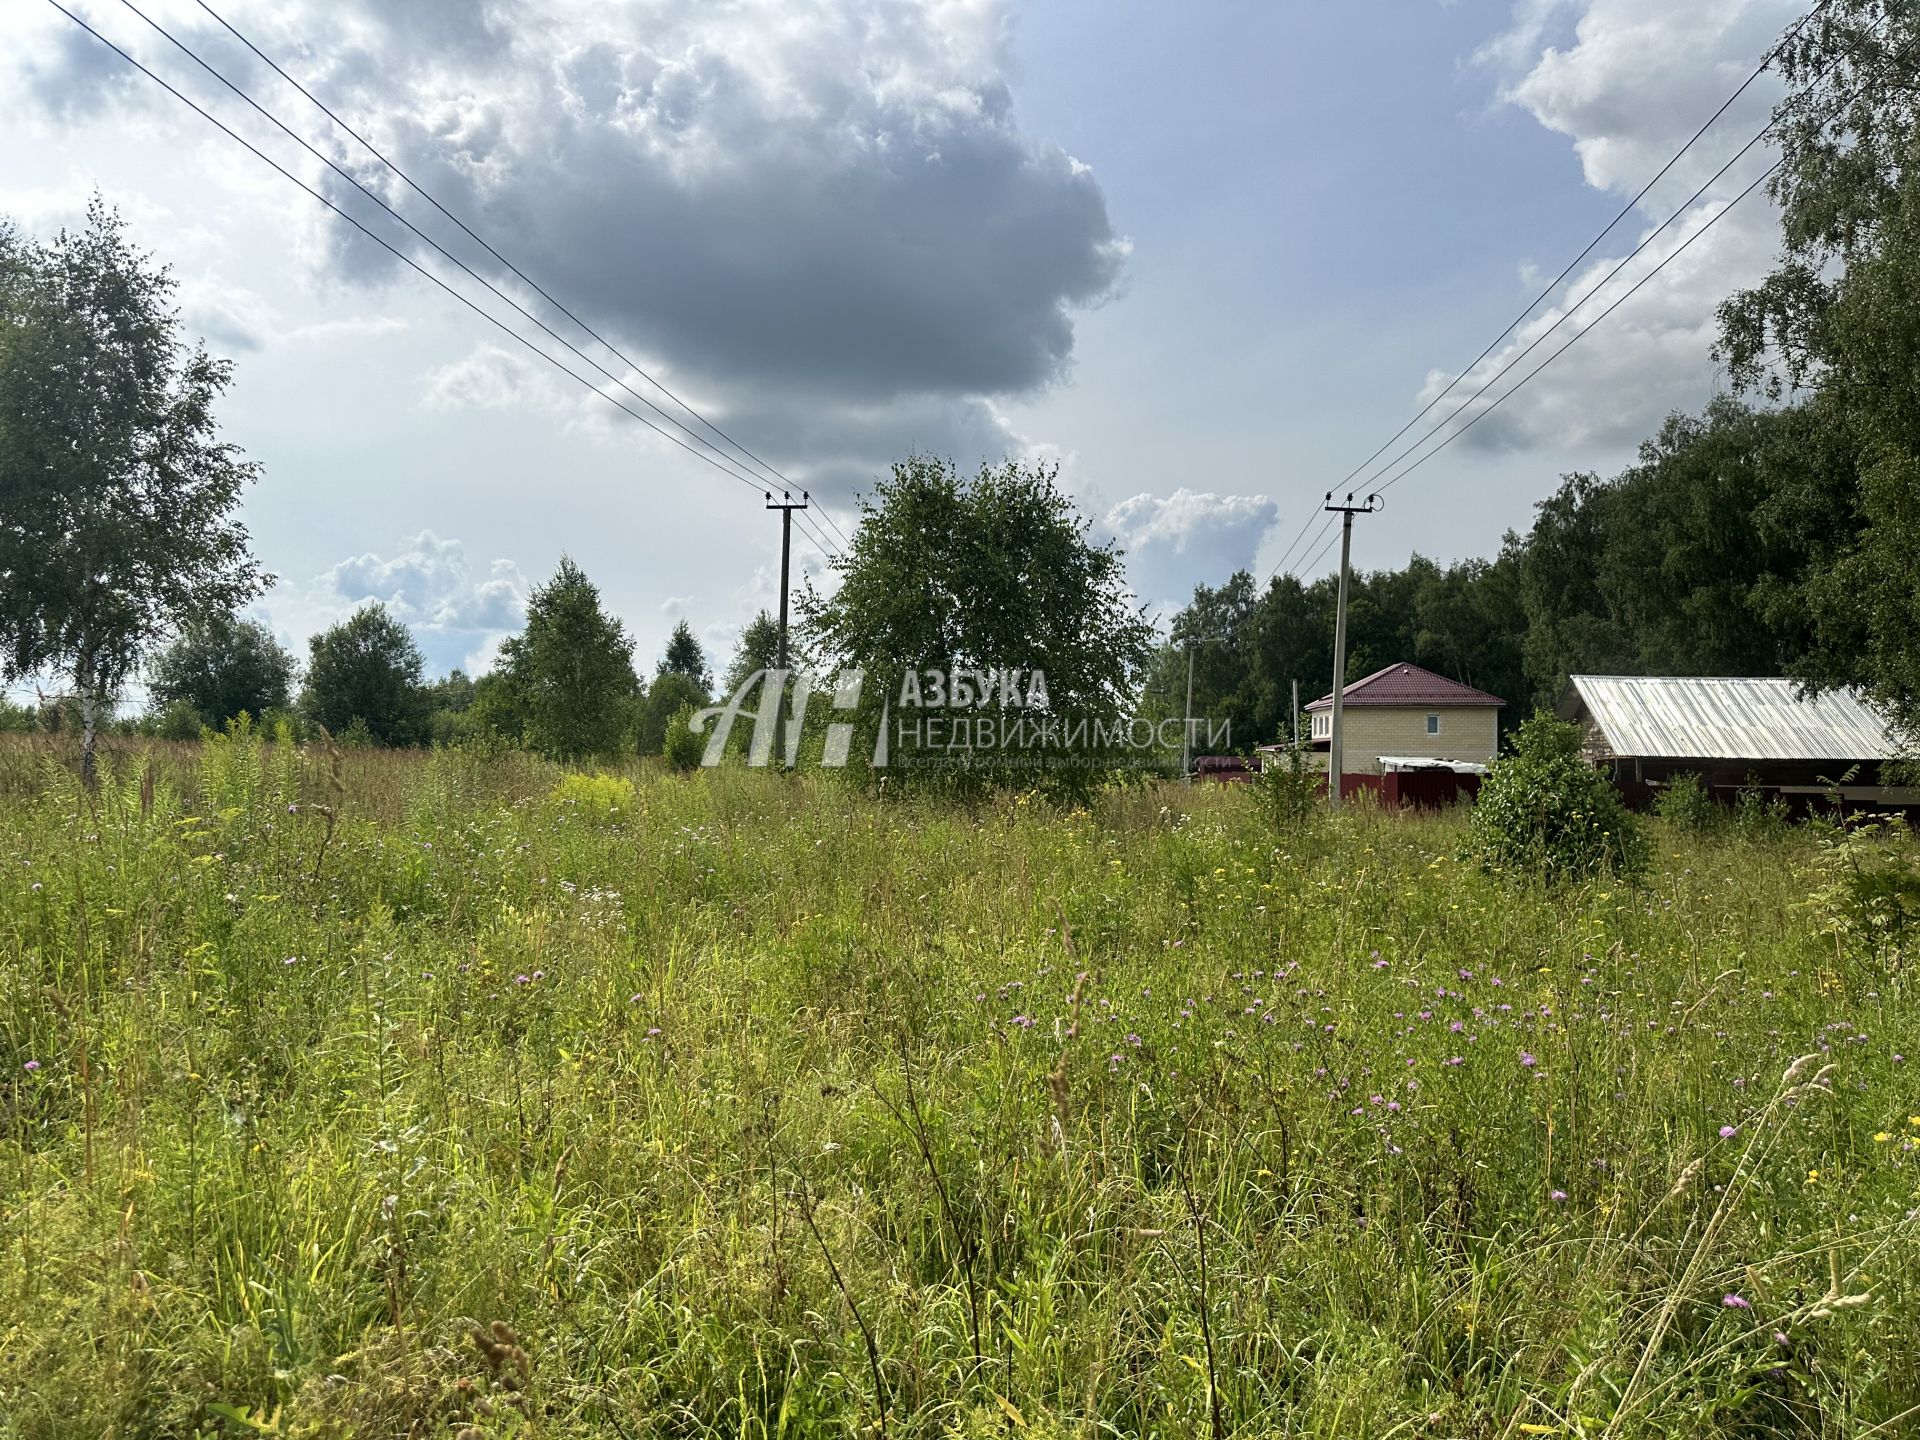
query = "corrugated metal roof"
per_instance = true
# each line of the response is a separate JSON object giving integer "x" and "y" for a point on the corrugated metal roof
{"x": 1408, "y": 685}
{"x": 1687, "y": 718}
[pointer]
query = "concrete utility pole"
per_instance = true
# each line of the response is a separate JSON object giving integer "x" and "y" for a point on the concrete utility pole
{"x": 1336, "y": 752}
{"x": 786, "y": 505}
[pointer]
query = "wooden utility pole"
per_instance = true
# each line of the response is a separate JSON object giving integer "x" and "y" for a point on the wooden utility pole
{"x": 1336, "y": 752}
{"x": 786, "y": 505}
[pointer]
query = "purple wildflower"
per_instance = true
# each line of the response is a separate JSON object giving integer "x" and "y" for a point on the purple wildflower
{"x": 31, "y": 1066}
{"x": 1727, "y": 1132}
{"x": 1735, "y": 1302}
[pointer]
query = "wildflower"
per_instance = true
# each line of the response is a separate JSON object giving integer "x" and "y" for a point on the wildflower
{"x": 1025, "y": 1022}
{"x": 1813, "y": 1177}
{"x": 1558, "y": 1197}
{"x": 1527, "y": 1060}
{"x": 523, "y": 979}
{"x": 1882, "y": 1138}
{"x": 1727, "y": 1132}
{"x": 1735, "y": 1302}
{"x": 31, "y": 1066}
{"x": 652, "y": 1031}
{"x": 634, "y": 999}
{"x": 539, "y": 974}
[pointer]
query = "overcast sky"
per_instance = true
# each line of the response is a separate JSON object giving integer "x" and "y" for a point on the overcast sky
{"x": 1208, "y": 257}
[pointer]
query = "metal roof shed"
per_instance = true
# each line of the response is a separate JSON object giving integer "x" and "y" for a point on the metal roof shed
{"x": 1731, "y": 731}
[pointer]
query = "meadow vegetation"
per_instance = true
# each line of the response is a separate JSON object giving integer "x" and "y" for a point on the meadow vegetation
{"x": 442, "y": 1094}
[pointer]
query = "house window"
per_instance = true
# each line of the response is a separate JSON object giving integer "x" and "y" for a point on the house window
{"x": 1433, "y": 724}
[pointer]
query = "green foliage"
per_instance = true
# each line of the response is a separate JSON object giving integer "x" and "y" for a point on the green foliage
{"x": 1685, "y": 803}
{"x": 675, "y": 1081}
{"x": 681, "y": 746}
{"x": 178, "y": 721}
{"x": 1288, "y": 791}
{"x": 990, "y": 571}
{"x": 17, "y": 719}
{"x": 670, "y": 693}
{"x": 116, "y": 494}
{"x": 758, "y": 649}
{"x": 1248, "y": 648}
{"x": 602, "y": 799}
{"x": 365, "y": 673}
{"x": 1868, "y": 896}
{"x": 1837, "y": 317}
{"x": 1543, "y": 811}
{"x": 571, "y": 671}
{"x": 221, "y": 668}
{"x": 685, "y": 657}
{"x": 1759, "y": 813}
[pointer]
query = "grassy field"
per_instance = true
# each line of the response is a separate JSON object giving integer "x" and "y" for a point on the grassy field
{"x": 748, "y": 1107}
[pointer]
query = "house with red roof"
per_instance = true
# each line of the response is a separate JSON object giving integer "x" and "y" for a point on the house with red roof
{"x": 1401, "y": 716}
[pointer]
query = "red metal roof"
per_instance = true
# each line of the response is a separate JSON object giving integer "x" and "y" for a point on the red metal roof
{"x": 1409, "y": 685}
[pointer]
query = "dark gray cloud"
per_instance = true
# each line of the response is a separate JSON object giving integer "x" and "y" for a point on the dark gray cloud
{"x": 834, "y": 200}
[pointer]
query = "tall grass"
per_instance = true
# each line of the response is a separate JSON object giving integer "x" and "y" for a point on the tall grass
{"x": 501, "y": 1102}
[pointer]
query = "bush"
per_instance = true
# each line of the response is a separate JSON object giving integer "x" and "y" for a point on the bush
{"x": 1287, "y": 790}
{"x": 1758, "y": 815}
{"x": 682, "y": 747}
{"x": 1869, "y": 892}
{"x": 1686, "y": 804}
{"x": 179, "y": 721}
{"x": 1544, "y": 810}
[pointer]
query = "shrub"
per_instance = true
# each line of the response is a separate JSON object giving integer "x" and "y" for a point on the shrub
{"x": 1287, "y": 790}
{"x": 179, "y": 721}
{"x": 1758, "y": 815}
{"x": 1544, "y": 810}
{"x": 1869, "y": 892}
{"x": 682, "y": 747}
{"x": 1686, "y": 804}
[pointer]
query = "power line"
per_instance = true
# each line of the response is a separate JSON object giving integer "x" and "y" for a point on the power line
{"x": 1607, "y": 229}
{"x": 730, "y": 467}
{"x": 420, "y": 190}
{"x": 412, "y": 264}
{"x": 1547, "y": 292}
{"x": 1680, "y": 249}
{"x": 1577, "y": 305}
{"x": 1708, "y": 224}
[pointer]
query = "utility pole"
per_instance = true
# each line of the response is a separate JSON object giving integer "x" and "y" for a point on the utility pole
{"x": 1336, "y": 752}
{"x": 1186, "y": 732}
{"x": 786, "y": 505}
{"x": 1296, "y": 714}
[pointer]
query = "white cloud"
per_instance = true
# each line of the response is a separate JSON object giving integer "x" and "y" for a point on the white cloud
{"x": 1632, "y": 83}
{"x": 1169, "y": 539}
{"x": 457, "y": 613}
{"x": 488, "y": 378}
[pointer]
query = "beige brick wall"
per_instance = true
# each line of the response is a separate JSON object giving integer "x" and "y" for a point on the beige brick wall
{"x": 1466, "y": 733}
